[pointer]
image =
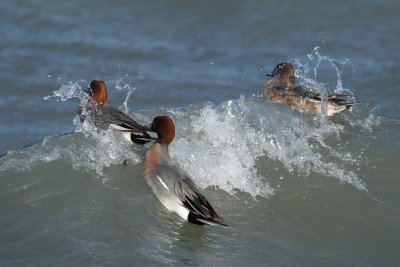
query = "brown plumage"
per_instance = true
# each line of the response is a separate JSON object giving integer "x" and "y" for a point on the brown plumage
{"x": 284, "y": 90}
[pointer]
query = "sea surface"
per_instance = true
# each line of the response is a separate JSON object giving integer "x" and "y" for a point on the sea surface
{"x": 294, "y": 189}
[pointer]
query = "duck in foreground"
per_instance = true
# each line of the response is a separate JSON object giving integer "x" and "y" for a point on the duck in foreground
{"x": 284, "y": 90}
{"x": 175, "y": 190}
{"x": 105, "y": 116}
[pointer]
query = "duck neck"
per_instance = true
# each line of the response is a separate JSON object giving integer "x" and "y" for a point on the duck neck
{"x": 163, "y": 153}
{"x": 287, "y": 80}
{"x": 156, "y": 155}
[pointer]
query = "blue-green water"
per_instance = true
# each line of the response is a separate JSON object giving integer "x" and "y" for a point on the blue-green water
{"x": 296, "y": 190}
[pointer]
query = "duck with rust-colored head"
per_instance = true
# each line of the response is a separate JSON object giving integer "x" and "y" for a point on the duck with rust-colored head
{"x": 105, "y": 116}
{"x": 284, "y": 90}
{"x": 176, "y": 190}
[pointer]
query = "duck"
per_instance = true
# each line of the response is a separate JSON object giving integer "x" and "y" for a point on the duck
{"x": 105, "y": 116}
{"x": 176, "y": 191}
{"x": 284, "y": 90}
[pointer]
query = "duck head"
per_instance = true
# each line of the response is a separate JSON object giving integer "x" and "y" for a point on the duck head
{"x": 165, "y": 129}
{"x": 98, "y": 92}
{"x": 285, "y": 71}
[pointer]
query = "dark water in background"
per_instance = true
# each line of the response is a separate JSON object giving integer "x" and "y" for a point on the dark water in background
{"x": 295, "y": 190}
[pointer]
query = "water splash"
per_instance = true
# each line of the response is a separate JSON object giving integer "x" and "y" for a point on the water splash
{"x": 87, "y": 149}
{"x": 337, "y": 64}
{"x": 27, "y": 158}
{"x": 219, "y": 146}
{"x": 69, "y": 91}
{"x": 365, "y": 118}
{"x": 129, "y": 86}
{"x": 93, "y": 152}
{"x": 222, "y": 145}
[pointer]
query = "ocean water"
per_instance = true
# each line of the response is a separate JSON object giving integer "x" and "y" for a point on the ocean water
{"x": 295, "y": 189}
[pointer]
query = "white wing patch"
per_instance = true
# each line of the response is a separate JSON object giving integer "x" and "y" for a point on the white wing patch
{"x": 162, "y": 182}
{"x": 118, "y": 127}
{"x": 126, "y": 135}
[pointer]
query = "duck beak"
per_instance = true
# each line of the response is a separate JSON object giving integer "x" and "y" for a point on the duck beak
{"x": 273, "y": 73}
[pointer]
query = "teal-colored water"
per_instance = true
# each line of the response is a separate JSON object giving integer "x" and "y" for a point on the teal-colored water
{"x": 296, "y": 190}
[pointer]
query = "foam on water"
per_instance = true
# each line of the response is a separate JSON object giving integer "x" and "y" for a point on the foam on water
{"x": 90, "y": 152}
{"x": 87, "y": 149}
{"x": 219, "y": 145}
{"x": 24, "y": 160}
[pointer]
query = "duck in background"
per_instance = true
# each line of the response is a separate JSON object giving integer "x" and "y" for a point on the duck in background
{"x": 176, "y": 190}
{"x": 285, "y": 91}
{"x": 105, "y": 116}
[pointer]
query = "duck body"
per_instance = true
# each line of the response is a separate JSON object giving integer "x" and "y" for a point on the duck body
{"x": 284, "y": 91}
{"x": 176, "y": 191}
{"x": 104, "y": 116}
